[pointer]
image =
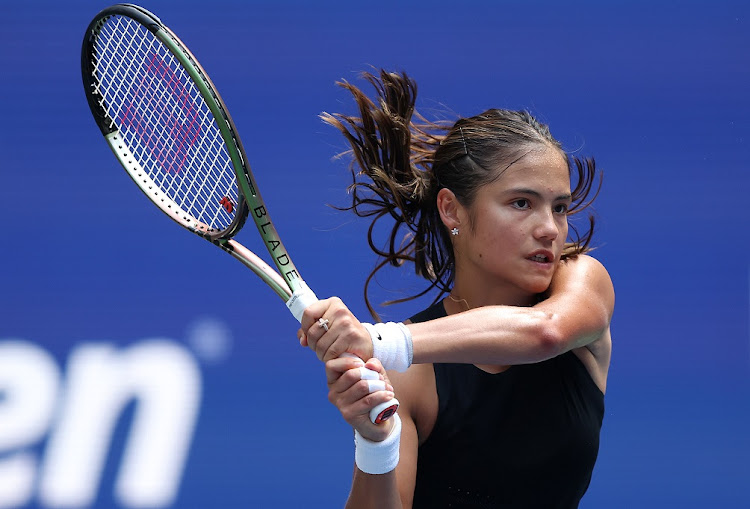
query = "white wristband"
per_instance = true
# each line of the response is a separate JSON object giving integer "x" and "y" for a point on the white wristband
{"x": 391, "y": 344}
{"x": 378, "y": 457}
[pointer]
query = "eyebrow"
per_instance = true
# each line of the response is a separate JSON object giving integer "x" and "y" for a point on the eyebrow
{"x": 532, "y": 192}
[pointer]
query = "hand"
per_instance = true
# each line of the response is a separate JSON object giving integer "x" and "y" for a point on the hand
{"x": 345, "y": 333}
{"x": 355, "y": 397}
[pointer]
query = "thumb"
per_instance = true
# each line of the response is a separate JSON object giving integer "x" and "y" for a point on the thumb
{"x": 302, "y": 338}
{"x": 375, "y": 365}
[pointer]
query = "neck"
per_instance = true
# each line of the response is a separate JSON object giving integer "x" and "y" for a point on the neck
{"x": 465, "y": 297}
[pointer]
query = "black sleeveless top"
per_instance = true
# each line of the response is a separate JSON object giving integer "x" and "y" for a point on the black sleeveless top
{"x": 524, "y": 438}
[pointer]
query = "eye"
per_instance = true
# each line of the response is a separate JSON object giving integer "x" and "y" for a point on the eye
{"x": 561, "y": 208}
{"x": 521, "y": 203}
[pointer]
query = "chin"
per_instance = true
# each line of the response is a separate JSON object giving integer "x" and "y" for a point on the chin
{"x": 539, "y": 287}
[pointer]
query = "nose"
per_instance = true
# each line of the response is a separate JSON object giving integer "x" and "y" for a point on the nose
{"x": 547, "y": 227}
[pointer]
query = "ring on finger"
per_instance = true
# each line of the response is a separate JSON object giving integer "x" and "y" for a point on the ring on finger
{"x": 323, "y": 322}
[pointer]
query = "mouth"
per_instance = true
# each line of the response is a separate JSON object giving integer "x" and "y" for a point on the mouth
{"x": 541, "y": 257}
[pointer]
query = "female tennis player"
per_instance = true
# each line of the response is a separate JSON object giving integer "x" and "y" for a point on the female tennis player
{"x": 501, "y": 382}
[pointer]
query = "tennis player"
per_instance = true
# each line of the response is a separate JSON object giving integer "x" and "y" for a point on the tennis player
{"x": 501, "y": 381}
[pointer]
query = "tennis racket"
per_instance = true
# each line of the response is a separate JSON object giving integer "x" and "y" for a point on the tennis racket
{"x": 168, "y": 126}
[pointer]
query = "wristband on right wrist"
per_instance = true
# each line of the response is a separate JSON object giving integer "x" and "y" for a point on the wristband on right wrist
{"x": 378, "y": 457}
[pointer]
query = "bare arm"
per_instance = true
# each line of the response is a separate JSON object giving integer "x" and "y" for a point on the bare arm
{"x": 576, "y": 313}
{"x": 374, "y": 490}
{"x": 394, "y": 489}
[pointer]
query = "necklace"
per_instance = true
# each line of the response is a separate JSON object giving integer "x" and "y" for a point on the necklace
{"x": 458, "y": 301}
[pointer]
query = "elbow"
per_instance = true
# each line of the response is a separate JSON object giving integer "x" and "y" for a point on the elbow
{"x": 550, "y": 339}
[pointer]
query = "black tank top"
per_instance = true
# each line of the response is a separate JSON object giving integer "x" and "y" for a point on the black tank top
{"x": 524, "y": 438}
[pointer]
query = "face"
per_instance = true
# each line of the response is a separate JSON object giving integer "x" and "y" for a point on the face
{"x": 512, "y": 236}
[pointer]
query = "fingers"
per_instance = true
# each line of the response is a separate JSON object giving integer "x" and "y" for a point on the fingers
{"x": 348, "y": 370}
{"x": 302, "y": 338}
{"x": 336, "y": 367}
{"x": 375, "y": 365}
{"x": 330, "y": 329}
{"x": 356, "y": 390}
{"x": 315, "y": 323}
{"x": 357, "y": 412}
{"x": 317, "y": 310}
{"x": 356, "y": 402}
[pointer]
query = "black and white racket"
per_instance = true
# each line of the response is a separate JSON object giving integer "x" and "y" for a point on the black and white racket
{"x": 164, "y": 120}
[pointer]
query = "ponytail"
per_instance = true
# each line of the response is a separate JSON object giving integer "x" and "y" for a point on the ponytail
{"x": 392, "y": 177}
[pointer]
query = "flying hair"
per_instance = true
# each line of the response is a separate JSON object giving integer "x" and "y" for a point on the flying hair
{"x": 400, "y": 160}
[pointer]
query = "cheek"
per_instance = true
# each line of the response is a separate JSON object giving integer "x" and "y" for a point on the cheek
{"x": 501, "y": 237}
{"x": 564, "y": 228}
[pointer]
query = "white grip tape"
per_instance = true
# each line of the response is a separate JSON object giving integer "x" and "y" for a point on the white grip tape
{"x": 300, "y": 300}
{"x": 375, "y": 386}
{"x": 378, "y": 457}
{"x": 368, "y": 374}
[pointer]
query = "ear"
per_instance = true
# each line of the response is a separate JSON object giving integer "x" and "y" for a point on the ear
{"x": 451, "y": 211}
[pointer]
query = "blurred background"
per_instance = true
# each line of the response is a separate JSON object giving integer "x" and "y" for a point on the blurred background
{"x": 139, "y": 367}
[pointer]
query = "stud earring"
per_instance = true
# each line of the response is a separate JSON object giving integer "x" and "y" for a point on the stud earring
{"x": 454, "y": 231}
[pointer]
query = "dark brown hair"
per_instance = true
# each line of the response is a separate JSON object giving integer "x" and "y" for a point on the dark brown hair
{"x": 400, "y": 161}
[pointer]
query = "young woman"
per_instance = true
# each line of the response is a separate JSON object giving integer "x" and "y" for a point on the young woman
{"x": 501, "y": 382}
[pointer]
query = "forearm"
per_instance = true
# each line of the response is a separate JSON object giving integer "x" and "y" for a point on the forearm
{"x": 374, "y": 491}
{"x": 576, "y": 313}
{"x": 503, "y": 335}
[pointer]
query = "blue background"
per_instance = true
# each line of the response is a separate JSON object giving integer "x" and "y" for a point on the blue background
{"x": 656, "y": 91}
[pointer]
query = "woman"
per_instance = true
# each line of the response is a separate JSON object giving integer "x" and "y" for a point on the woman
{"x": 502, "y": 383}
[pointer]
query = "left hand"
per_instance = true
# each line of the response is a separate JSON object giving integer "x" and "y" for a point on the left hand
{"x": 345, "y": 333}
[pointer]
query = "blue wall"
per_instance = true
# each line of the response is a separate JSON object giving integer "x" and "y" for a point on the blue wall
{"x": 657, "y": 91}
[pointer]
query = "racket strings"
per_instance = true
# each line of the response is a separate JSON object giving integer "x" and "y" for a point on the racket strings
{"x": 165, "y": 122}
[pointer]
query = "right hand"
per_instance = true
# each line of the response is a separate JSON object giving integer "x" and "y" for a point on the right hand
{"x": 352, "y": 396}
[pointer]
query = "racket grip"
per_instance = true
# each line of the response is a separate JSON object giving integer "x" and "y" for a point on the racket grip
{"x": 300, "y": 300}
{"x": 383, "y": 411}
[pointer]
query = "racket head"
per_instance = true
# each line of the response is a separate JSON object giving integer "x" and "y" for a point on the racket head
{"x": 164, "y": 120}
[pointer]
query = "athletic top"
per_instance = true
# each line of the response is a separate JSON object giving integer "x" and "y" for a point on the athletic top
{"x": 527, "y": 437}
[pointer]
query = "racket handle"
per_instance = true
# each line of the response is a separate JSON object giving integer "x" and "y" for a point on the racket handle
{"x": 383, "y": 411}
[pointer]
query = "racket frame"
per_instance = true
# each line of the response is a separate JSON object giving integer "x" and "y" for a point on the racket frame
{"x": 285, "y": 281}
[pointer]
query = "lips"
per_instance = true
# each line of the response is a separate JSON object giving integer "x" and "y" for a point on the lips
{"x": 541, "y": 256}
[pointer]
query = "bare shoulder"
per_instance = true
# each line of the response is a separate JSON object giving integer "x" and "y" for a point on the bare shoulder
{"x": 582, "y": 293}
{"x": 586, "y": 272}
{"x": 588, "y": 277}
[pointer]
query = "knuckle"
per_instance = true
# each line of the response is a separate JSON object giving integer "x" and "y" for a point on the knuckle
{"x": 342, "y": 314}
{"x": 363, "y": 387}
{"x": 347, "y": 414}
{"x": 352, "y": 376}
{"x": 369, "y": 400}
{"x": 332, "y": 353}
{"x": 307, "y": 315}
